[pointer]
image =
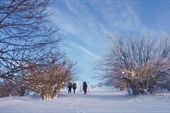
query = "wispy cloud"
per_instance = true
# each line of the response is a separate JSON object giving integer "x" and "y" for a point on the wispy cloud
{"x": 82, "y": 50}
{"x": 88, "y": 23}
{"x": 96, "y": 57}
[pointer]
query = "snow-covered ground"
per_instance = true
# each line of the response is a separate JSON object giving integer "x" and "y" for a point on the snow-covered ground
{"x": 93, "y": 102}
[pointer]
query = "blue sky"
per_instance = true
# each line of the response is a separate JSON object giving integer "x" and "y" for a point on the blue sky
{"x": 87, "y": 25}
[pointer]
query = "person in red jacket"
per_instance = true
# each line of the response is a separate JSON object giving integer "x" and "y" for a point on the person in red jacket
{"x": 85, "y": 87}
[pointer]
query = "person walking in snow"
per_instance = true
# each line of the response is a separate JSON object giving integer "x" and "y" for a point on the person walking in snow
{"x": 69, "y": 87}
{"x": 85, "y": 87}
{"x": 74, "y": 87}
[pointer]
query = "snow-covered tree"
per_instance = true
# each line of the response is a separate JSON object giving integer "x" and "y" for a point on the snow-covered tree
{"x": 141, "y": 65}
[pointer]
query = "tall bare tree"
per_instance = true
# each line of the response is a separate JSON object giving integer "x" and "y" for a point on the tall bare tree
{"x": 25, "y": 34}
{"x": 140, "y": 64}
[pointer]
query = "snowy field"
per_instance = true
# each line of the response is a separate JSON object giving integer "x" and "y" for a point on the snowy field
{"x": 93, "y": 102}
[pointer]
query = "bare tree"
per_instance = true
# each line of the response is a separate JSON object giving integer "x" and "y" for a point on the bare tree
{"x": 26, "y": 35}
{"x": 142, "y": 65}
{"x": 24, "y": 31}
{"x": 49, "y": 77}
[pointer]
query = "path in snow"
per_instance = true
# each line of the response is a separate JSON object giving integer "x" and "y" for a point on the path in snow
{"x": 117, "y": 102}
{"x": 93, "y": 102}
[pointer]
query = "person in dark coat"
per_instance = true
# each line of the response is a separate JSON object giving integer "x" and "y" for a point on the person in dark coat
{"x": 85, "y": 87}
{"x": 69, "y": 87}
{"x": 74, "y": 87}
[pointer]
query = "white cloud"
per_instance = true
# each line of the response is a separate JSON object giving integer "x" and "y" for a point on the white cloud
{"x": 89, "y": 24}
{"x": 86, "y": 25}
{"x": 96, "y": 57}
{"x": 83, "y": 51}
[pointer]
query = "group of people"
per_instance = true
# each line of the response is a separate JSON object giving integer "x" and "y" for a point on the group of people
{"x": 74, "y": 86}
{"x": 70, "y": 86}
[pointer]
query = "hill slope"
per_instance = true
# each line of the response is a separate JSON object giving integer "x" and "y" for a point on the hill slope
{"x": 93, "y": 102}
